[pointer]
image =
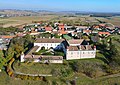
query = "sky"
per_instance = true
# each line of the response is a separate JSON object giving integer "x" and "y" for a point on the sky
{"x": 63, "y": 5}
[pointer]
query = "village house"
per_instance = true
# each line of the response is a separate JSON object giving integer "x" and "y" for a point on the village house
{"x": 61, "y": 32}
{"x": 48, "y": 29}
{"x": 33, "y": 33}
{"x": 5, "y": 40}
{"x": 61, "y": 26}
{"x": 105, "y": 34}
{"x": 87, "y": 31}
{"x": 70, "y": 29}
{"x": 81, "y": 28}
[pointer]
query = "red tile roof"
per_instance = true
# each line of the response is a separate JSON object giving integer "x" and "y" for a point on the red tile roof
{"x": 61, "y": 27}
{"x": 87, "y": 31}
{"x": 62, "y": 32}
{"x": 48, "y": 28}
{"x": 100, "y": 33}
{"x": 75, "y": 41}
{"x": 8, "y": 36}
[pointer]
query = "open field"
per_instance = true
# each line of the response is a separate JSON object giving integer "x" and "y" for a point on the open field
{"x": 113, "y": 20}
{"x": 14, "y": 21}
{"x": 37, "y": 68}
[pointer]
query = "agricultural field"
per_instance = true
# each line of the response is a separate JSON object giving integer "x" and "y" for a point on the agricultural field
{"x": 114, "y": 20}
{"x": 77, "y": 20}
{"x": 14, "y": 21}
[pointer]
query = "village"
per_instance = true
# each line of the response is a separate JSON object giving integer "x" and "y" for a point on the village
{"x": 49, "y": 45}
{"x": 58, "y": 42}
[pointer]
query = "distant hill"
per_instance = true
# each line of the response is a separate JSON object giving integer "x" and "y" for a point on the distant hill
{"x": 15, "y": 12}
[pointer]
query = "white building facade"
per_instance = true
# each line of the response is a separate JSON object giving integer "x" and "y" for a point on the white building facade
{"x": 74, "y": 52}
{"x": 48, "y": 43}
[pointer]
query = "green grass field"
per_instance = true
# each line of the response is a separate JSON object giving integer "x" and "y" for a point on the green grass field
{"x": 81, "y": 80}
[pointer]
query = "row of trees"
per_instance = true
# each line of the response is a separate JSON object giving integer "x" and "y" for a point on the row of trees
{"x": 8, "y": 30}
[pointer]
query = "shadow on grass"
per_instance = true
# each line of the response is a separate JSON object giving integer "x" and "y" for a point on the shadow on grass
{"x": 103, "y": 59}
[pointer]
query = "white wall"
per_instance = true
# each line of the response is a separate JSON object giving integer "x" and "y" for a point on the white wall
{"x": 22, "y": 58}
{"x": 36, "y": 60}
{"x": 56, "y": 61}
{"x": 47, "y": 45}
{"x": 88, "y": 54}
{"x": 70, "y": 55}
{"x": 74, "y": 44}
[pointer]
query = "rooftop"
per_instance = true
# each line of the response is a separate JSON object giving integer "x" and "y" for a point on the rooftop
{"x": 48, "y": 28}
{"x": 47, "y": 40}
{"x": 43, "y": 57}
{"x": 104, "y": 33}
{"x": 73, "y": 48}
{"x": 81, "y": 47}
{"x": 8, "y": 36}
{"x": 32, "y": 50}
{"x": 75, "y": 41}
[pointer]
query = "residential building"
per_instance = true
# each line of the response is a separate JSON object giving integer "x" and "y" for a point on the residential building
{"x": 80, "y": 52}
{"x": 104, "y": 34}
{"x": 87, "y": 31}
{"x": 48, "y": 29}
{"x": 34, "y": 33}
{"x": 5, "y": 40}
{"x": 61, "y": 26}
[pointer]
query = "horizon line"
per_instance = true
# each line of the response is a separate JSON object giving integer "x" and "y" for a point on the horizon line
{"x": 58, "y": 10}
